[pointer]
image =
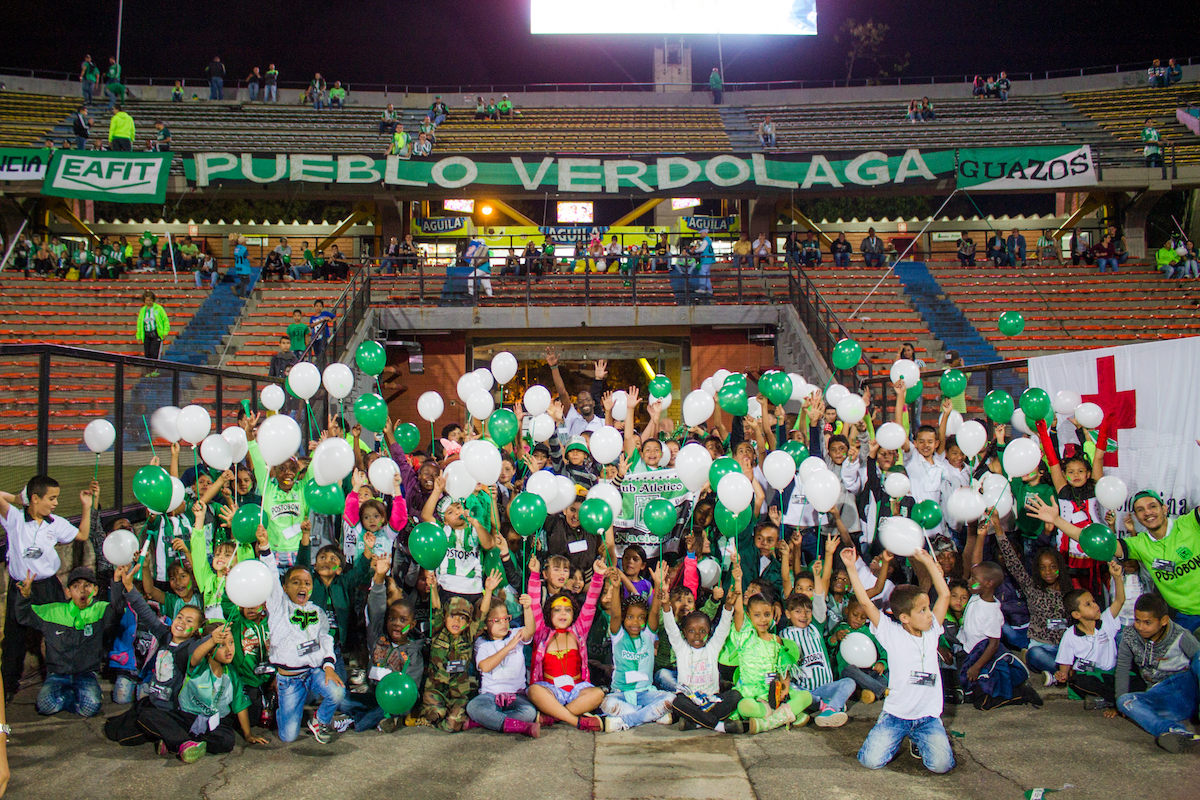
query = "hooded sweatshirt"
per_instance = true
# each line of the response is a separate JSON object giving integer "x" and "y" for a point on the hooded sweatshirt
{"x": 300, "y": 638}
{"x": 1155, "y": 661}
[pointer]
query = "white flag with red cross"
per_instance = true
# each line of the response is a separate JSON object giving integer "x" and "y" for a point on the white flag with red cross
{"x": 1151, "y": 395}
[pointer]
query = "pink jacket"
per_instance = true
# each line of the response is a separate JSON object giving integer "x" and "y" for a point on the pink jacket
{"x": 399, "y": 512}
{"x": 543, "y": 632}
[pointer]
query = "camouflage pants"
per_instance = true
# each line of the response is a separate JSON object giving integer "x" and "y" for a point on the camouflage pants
{"x": 444, "y": 709}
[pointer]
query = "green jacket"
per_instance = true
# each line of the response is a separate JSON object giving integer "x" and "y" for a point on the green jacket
{"x": 251, "y": 642}
{"x": 121, "y": 127}
{"x": 337, "y": 599}
{"x": 74, "y": 636}
{"x": 161, "y": 323}
{"x": 835, "y": 647}
{"x": 715, "y": 82}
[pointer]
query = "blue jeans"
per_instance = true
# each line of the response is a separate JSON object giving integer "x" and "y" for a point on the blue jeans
{"x": 873, "y": 259}
{"x": 483, "y": 709}
{"x": 1191, "y": 267}
{"x": 216, "y": 88}
{"x": 927, "y": 733}
{"x": 1164, "y": 705}
{"x": 253, "y": 92}
{"x": 1102, "y": 262}
{"x": 867, "y": 679}
{"x": 1041, "y": 658}
{"x": 667, "y": 679}
{"x": 1189, "y": 621}
{"x": 124, "y": 690}
{"x": 79, "y": 694}
{"x": 649, "y": 705}
{"x": 318, "y": 104}
{"x": 212, "y": 278}
{"x": 1015, "y": 638}
{"x": 270, "y": 93}
{"x": 81, "y": 143}
{"x": 293, "y": 694}
{"x": 88, "y": 89}
{"x": 300, "y": 269}
{"x": 833, "y": 694}
{"x": 700, "y": 282}
{"x": 841, "y": 259}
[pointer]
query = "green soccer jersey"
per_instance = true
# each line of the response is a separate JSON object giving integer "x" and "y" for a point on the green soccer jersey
{"x": 297, "y": 334}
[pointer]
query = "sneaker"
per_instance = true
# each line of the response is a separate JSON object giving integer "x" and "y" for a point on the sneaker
{"x": 416, "y": 722}
{"x": 162, "y": 749}
{"x": 829, "y": 718}
{"x": 388, "y": 725}
{"x": 1095, "y": 703}
{"x": 590, "y": 722}
{"x": 322, "y": 733}
{"x": 735, "y": 726}
{"x": 1177, "y": 741}
{"x": 357, "y": 677}
{"x": 867, "y": 697}
{"x": 913, "y": 750}
{"x": 957, "y": 696}
{"x": 665, "y": 719}
{"x": 1029, "y": 695}
{"x": 801, "y": 720}
{"x": 1050, "y": 681}
{"x": 612, "y": 724}
{"x": 191, "y": 752}
{"x": 342, "y": 722}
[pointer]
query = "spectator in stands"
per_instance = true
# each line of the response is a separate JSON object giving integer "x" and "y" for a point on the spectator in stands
{"x": 121, "y": 131}
{"x": 791, "y": 248}
{"x": 966, "y": 249}
{"x": 1119, "y": 245}
{"x": 391, "y": 257}
{"x": 253, "y": 80}
{"x": 422, "y": 146}
{"x": 1003, "y": 86}
{"x": 112, "y": 83}
{"x": 316, "y": 92}
{"x": 270, "y": 84}
{"x": 1015, "y": 245}
{"x": 305, "y": 267}
{"x": 1105, "y": 254}
{"x": 766, "y": 133}
{"x": 337, "y": 96}
{"x": 530, "y": 260}
{"x": 662, "y": 254}
{"x": 1191, "y": 267}
{"x": 1047, "y": 249}
{"x": 493, "y": 110}
{"x": 408, "y": 253}
{"x": 337, "y": 266}
{"x": 872, "y": 249}
{"x": 216, "y": 79}
{"x": 548, "y": 260}
{"x": 480, "y": 109}
{"x": 438, "y": 111}
{"x": 613, "y": 254}
{"x": 321, "y": 324}
{"x": 318, "y": 265}
{"x": 161, "y": 143}
{"x": 387, "y": 119}
{"x": 505, "y": 108}
{"x": 927, "y": 114}
{"x": 282, "y": 359}
{"x": 1079, "y": 248}
{"x": 152, "y": 325}
{"x": 399, "y": 145}
{"x": 512, "y": 263}
{"x": 273, "y": 265}
{"x": 1152, "y": 150}
{"x": 177, "y": 92}
{"x": 1165, "y": 259}
{"x": 641, "y": 262}
{"x": 1174, "y": 72}
{"x": 810, "y": 251}
{"x": 990, "y": 88}
{"x": 716, "y": 86}
{"x": 241, "y": 266}
{"x": 841, "y": 250}
{"x": 914, "y": 111}
{"x": 742, "y": 252}
{"x": 89, "y": 77}
{"x": 81, "y": 126}
{"x": 285, "y": 252}
{"x": 189, "y": 257}
{"x": 763, "y": 254}
{"x": 998, "y": 249}
{"x": 978, "y": 89}
{"x": 429, "y": 129}
{"x": 1156, "y": 75}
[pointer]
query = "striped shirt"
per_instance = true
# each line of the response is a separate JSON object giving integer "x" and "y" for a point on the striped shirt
{"x": 813, "y": 669}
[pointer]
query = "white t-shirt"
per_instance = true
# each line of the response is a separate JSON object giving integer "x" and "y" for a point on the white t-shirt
{"x": 981, "y": 620}
{"x": 509, "y": 675}
{"x": 31, "y": 543}
{"x": 575, "y": 424}
{"x": 1086, "y": 653}
{"x": 914, "y": 678}
{"x": 868, "y": 580}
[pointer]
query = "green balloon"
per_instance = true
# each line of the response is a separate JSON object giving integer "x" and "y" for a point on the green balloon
{"x": 152, "y": 488}
{"x": 660, "y": 517}
{"x": 503, "y": 426}
{"x": 730, "y": 524}
{"x": 245, "y": 523}
{"x": 370, "y": 358}
{"x": 797, "y": 450}
{"x": 846, "y": 354}
{"x": 1011, "y": 323}
{"x": 595, "y": 515}
{"x": 735, "y": 379}
{"x": 720, "y": 468}
{"x": 1035, "y": 403}
{"x": 396, "y": 694}
{"x": 325, "y": 499}
{"x": 733, "y": 400}
{"x": 1097, "y": 541}
{"x": 998, "y": 405}
{"x": 490, "y": 562}
{"x": 927, "y": 514}
{"x": 428, "y": 544}
{"x": 408, "y": 436}
{"x": 954, "y": 382}
{"x": 371, "y": 412}
{"x": 660, "y": 386}
{"x": 913, "y": 392}
{"x": 776, "y": 386}
{"x": 527, "y": 513}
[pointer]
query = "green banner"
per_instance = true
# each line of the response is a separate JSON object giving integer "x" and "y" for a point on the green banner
{"x": 115, "y": 177}
{"x": 1046, "y": 169}
{"x": 23, "y": 163}
{"x": 638, "y": 489}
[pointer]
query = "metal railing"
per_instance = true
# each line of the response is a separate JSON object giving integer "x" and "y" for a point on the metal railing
{"x": 349, "y": 309}
{"x": 822, "y": 324}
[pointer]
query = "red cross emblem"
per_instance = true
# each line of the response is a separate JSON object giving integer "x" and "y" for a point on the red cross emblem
{"x": 1120, "y": 408}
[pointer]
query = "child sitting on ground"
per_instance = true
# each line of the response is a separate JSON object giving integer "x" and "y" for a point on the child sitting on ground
{"x": 1087, "y": 653}
{"x": 950, "y": 650}
{"x": 633, "y": 700}
{"x": 395, "y": 646}
{"x": 990, "y": 675}
{"x": 872, "y": 682}
{"x": 502, "y": 704}
{"x": 812, "y": 674}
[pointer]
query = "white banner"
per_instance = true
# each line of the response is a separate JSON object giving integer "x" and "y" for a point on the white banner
{"x": 1151, "y": 392}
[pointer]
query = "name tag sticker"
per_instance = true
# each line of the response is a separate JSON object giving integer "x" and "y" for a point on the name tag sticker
{"x": 563, "y": 681}
{"x": 454, "y": 667}
{"x": 577, "y": 547}
{"x": 636, "y": 677}
{"x": 33, "y": 552}
{"x": 922, "y": 678}
{"x": 311, "y": 646}
{"x": 1163, "y": 565}
{"x": 1056, "y": 624}
{"x": 379, "y": 673}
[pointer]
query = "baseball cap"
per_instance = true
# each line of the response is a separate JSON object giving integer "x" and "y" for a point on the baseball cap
{"x": 459, "y": 607}
{"x": 578, "y": 443}
{"x": 542, "y": 448}
{"x": 81, "y": 574}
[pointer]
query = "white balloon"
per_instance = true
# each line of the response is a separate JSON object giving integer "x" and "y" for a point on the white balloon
{"x": 1019, "y": 423}
{"x": 620, "y": 409}
{"x": 901, "y": 536}
{"x": 606, "y": 445}
{"x": 272, "y": 397}
{"x": 851, "y": 409}
{"x": 542, "y": 427}
{"x": 332, "y": 461}
{"x": 835, "y": 394}
{"x": 1021, "y": 457}
{"x": 382, "y": 473}
{"x": 735, "y": 492}
{"x": 430, "y": 406}
{"x": 778, "y": 467}
{"x": 798, "y": 384}
{"x": 459, "y": 481}
{"x": 338, "y": 380}
{"x": 809, "y": 467}
{"x": 238, "y": 446}
{"x": 707, "y": 387}
{"x": 992, "y": 487}
{"x": 822, "y": 490}
{"x": 566, "y": 495}
{"x": 698, "y": 407}
{"x": 543, "y": 484}
{"x": 664, "y": 402}
{"x": 163, "y": 423}
{"x": 858, "y": 649}
{"x": 1111, "y": 491}
{"x": 1089, "y": 415}
{"x": 467, "y": 384}
{"x": 504, "y": 367}
{"x": 99, "y": 435}
{"x": 905, "y": 370}
{"x": 177, "y": 492}
{"x": 692, "y": 463}
{"x": 710, "y": 573}
{"x": 954, "y": 423}
{"x": 971, "y": 438}
{"x": 718, "y": 379}
{"x": 620, "y": 396}
{"x": 249, "y": 583}
{"x": 753, "y": 408}
{"x": 484, "y": 376}
{"x": 193, "y": 423}
{"x": 278, "y": 439}
{"x": 891, "y": 436}
{"x": 215, "y": 452}
{"x": 304, "y": 379}
{"x": 1004, "y": 503}
{"x": 1066, "y": 401}
{"x": 964, "y": 505}
{"x": 120, "y": 547}
{"x": 483, "y": 461}
{"x": 897, "y": 485}
{"x": 537, "y": 400}
{"x": 609, "y": 494}
{"x": 480, "y": 404}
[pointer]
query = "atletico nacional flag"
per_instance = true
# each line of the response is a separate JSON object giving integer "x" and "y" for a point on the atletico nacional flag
{"x": 1150, "y": 393}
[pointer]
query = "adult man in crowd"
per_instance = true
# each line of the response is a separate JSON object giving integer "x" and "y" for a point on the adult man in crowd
{"x": 872, "y": 249}
{"x": 742, "y": 251}
{"x": 121, "y": 131}
{"x": 253, "y": 80}
{"x": 113, "y": 87}
{"x": 581, "y": 415}
{"x": 271, "y": 85}
{"x": 391, "y": 257}
{"x": 810, "y": 251}
{"x": 438, "y": 111}
{"x": 216, "y": 79}
{"x": 1015, "y": 244}
{"x": 89, "y": 76}
{"x": 966, "y": 250}
{"x": 81, "y": 125}
{"x": 717, "y": 86}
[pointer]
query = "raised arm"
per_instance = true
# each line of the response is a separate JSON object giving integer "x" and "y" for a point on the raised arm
{"x": 1118, "y": 581}
{"x": 849, "y": 558}
{"x": 925, "y": 558}
{"x": 630, "y": 417}
{"x": 429, "y": 512}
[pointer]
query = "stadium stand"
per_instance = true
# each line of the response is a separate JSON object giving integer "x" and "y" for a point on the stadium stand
{"x": 1123, "y": 112}
{"x": 27, "y": 119}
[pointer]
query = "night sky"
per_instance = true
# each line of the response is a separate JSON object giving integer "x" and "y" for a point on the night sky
{"x": 486, "y": 41}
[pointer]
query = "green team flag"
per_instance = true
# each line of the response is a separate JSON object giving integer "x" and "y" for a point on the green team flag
{"x": 637, "y": 490}
{"x": 115, "y": 177}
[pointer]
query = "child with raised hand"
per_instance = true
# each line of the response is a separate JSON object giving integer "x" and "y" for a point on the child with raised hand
{"x": 991, "y": 675}
{"x": 913, "y": 706}
{"x": 394, "y": 646}
{"x": 181, "y": 585}
{"x": 813, "y": 673}
{"x": 634, "y": 700}
{"x": 208, "y": 701}
{"x": 251, "y": 661}
{"x": 448, "y": 679}
{"x": 502, "y": 704}
{"x": 370, "y": 516}
{"x": 211, "y": 580}
{"x": 461, "y": 572}
{"x": 285, "y": 508}
{"x": 558, "y": 680}
{"x": 1088, "y": 651}
{"x": 333, "y": 589}
{"x": 763, "y": 660}
{"x": 873, "y": 681}
{"x": 555, "y": 573}
{"x": 681, "y": 601}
